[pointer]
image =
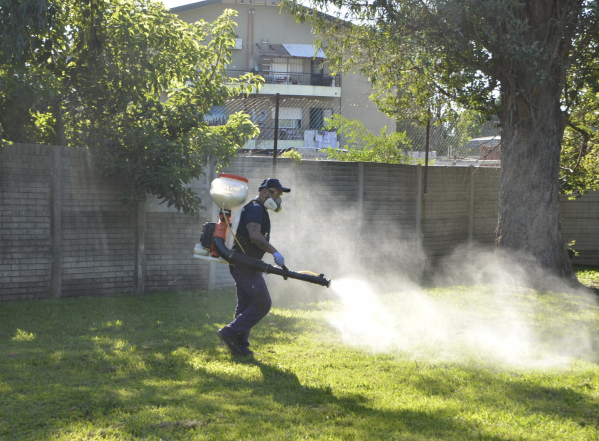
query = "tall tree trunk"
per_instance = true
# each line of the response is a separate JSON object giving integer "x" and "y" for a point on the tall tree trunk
{"x": 532, "y": 131}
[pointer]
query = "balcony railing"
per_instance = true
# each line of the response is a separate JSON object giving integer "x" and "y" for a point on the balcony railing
{"x": 284, "y": 134}
{"x": 304, "y": 79}
{"x": 297, "y": 136}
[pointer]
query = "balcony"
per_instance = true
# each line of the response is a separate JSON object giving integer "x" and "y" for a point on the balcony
{"x": 297, "y": 84}
{"x": 287, "y": 139}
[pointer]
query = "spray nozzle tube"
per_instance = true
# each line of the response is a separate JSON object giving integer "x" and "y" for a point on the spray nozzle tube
{"x": 235, "y": 257}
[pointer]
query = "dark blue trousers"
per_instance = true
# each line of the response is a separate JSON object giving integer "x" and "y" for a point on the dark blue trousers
{"x": 253, "y": 302}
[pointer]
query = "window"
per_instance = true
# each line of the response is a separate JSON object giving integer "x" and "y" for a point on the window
{"x": 282, "y": 68}
{"x": 318, "y": 116}
{"x": 317, "y": 67}
{"x": 289, "y": 118}
{"x": 279, "y": 65}
{"x": 284, "y": 65}
{"x": 296, "y": 65}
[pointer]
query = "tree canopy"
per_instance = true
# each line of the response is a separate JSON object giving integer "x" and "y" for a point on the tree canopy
{"x": 127, "y": 79}
{"x": 363, "y": 146}
{"x": 579, "y": 166}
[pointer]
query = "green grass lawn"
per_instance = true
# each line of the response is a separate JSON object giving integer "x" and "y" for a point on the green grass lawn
{"x": 588, "y": 276}
{"x": 152, "y": 368}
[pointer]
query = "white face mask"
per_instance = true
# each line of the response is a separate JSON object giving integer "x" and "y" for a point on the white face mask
{"x": 274, "y": 204}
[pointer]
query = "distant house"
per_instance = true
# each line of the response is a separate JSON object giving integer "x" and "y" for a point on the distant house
{"x": 487, "y": 148}
{"x": 272, "y": 44}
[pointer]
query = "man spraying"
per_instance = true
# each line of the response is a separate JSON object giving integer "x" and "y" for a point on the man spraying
{"x": 253, "y": 298}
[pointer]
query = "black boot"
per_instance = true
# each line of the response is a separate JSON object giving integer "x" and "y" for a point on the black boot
{"x": 231, "y": 341}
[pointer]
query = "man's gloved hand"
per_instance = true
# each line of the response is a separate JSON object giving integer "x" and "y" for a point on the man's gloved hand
{"x": 279, "y": 259}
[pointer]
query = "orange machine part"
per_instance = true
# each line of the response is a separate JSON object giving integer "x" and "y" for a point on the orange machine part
{"x": 220, "y": 230}
{"x": 231, "y": 176}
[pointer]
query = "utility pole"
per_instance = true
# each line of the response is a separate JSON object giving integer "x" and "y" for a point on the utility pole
{"x": 274, "y": 151}
{"x": 428, "y": 132}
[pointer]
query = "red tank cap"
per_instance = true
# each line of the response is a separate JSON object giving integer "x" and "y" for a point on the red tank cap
{"x": 229, "y": 175}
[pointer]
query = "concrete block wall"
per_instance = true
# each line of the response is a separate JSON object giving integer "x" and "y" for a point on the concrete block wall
{"x": 170, "y": 239}
{"x": 580, "y": 222}
{"x": 65, "y": 233}
{"x": 388, "y": 233}
{"x": 98, "y": 233}
{"x": 445, "y": 214}
{"x": 323, "y": 217}
{"x": 389, "y": 197}
{"x": 25, "y": 222}
{"x": 485, "y": 190}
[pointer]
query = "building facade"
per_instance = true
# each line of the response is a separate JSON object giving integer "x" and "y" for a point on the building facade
{"x": 270, "y": 43}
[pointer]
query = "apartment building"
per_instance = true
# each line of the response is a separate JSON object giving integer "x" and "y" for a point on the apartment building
{"x": 272, "y": 44}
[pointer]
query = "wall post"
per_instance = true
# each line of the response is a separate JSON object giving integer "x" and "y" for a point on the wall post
{"x": 360, "y": 199}
{"x": 213, "y": 216}
{"x": 140, "y": 252}
{"x": 359, "y": 209}
{"x": 471, "y": 170}
{"x": 56, "y": 220}
{"x": 418, "y": 224}
{"x": 276, "y": 138}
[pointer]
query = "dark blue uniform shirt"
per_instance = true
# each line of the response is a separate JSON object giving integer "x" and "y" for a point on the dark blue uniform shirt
{"x": 254, "y": 211}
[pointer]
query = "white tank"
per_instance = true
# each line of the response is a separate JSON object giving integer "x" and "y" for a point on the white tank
{"x": 230, "y": 190}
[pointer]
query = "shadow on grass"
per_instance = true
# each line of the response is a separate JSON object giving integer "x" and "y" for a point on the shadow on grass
{"x": 559, "y": 401}
{"x": 151, "y": 366}
{"x": 167, "y": 402}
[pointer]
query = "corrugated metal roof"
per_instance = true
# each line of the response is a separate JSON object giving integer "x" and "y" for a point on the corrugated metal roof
{"x": 274, "y": 50}
{"x": 202, "y": 3}
{"x": 303, "y": 50}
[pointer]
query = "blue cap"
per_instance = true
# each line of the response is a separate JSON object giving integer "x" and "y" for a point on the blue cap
{"x": 273, "y": 183}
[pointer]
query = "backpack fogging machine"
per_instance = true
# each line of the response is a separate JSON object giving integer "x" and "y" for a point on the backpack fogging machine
{"x": 229, "y": 192}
